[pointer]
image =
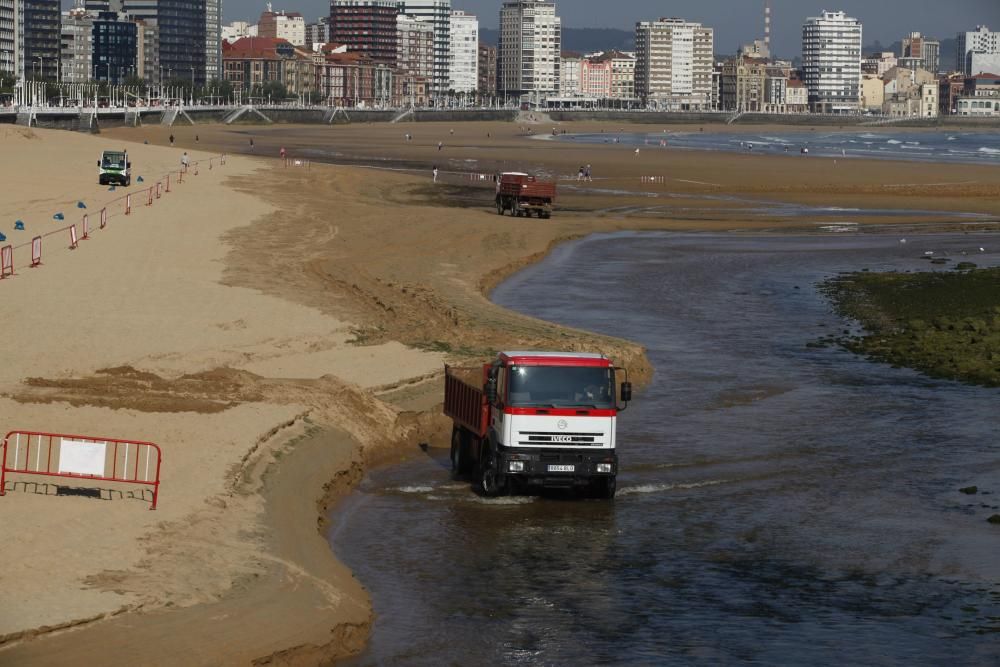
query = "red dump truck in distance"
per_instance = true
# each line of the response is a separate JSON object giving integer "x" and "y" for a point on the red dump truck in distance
{"x": 537, "y": 420}
{"x": 522, "y": 194}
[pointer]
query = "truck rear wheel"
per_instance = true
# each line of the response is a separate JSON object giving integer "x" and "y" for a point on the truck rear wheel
{"x": 499, "y": 208}
{"x": 459, "y": 453}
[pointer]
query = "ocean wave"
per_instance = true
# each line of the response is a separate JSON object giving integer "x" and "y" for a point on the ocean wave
{"x": 894, "y": 142}
{"x": 990, "y": 151}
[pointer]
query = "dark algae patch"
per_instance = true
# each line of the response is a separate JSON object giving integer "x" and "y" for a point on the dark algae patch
{"x": 943, "y": 323}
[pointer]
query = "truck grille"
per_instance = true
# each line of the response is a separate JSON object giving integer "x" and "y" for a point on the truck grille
{"x": 561, "y": 438}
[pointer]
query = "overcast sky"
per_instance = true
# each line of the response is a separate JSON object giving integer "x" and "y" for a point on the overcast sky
{"x": 735, "y": 21}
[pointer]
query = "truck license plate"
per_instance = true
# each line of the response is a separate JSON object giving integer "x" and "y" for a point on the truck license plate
{"x": 555, "y": 468}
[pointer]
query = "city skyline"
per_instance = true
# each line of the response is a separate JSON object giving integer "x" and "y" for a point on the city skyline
{"x": 887, "y": 21}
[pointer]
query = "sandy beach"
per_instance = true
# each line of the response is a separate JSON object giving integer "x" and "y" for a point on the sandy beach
{"x": 277, "y": 330}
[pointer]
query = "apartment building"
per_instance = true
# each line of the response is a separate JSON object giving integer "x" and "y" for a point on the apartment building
{"x": 289, "y": 26}
{"x": 674, "y": 64}
{"x": 438, "y": 14}
{"x": 831, "y": 62}
{"x": 463, "y": 54}
{"x": 978, "y": 51}
{"x": 76, "y": 46}
{"x": 528, "y": 56}
{"x": 487, "y": 70}
{"x": 366, "y": 27}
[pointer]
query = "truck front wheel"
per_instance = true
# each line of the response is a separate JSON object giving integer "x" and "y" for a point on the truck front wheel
{"x": 605, "y": 487}
{"x": 491, "y": 482}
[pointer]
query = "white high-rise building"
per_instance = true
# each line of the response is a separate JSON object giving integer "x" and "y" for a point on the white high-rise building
{"x": 213, "y": 40}
{"x": 464, "y": 53}
{"x": 674, "y": 60}
{"x": 438, "y": 14}
{"x": 831, "y": 62}
{"x": 11, "y": 30}
{"x": 528, "y": 56}
{"x": 978, "y": 52}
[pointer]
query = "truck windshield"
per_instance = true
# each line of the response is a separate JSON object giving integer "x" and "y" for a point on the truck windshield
{"x": 113, "y": 161}
{"x": 561, "y": 386}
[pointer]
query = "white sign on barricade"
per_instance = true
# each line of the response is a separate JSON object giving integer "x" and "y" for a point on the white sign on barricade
{"x": 82, "y": 458}
{"x": 6, "y": 261}
{"x": 36, "y": 251}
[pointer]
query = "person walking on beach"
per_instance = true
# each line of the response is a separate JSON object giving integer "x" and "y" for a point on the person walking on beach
{"x": 171, "y": 140}
{"x": 184, "y": 161}
{"x": 282, "y": 153}
{"x": 196, "y": 139}
{"x": 435, "y": 172}
{"x": 579, "y": 175}
{"x": 251, "y": 144}
{"x": 440, "y": 145}
{"x": 586, "y": 173}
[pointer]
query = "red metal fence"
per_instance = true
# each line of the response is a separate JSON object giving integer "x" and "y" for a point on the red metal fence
{"x": 82, "y": 458}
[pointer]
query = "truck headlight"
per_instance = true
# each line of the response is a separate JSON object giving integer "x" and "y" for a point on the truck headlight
{"x": 515, "y": 466}
{"x": 604, "y": 467}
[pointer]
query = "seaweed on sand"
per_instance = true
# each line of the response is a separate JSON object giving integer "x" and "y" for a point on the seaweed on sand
{"x": 945, "y": 323}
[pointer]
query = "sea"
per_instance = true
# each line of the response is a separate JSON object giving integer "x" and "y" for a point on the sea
{"x": 886, "y": 143}
{"x": 780, "y": 502}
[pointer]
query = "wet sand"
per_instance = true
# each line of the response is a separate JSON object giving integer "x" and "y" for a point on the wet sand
{"x": 316, "y": 305}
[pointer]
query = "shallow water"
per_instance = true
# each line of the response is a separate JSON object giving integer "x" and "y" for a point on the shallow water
{"x": 892, "y": 144}
{"x": 778, "y": 503}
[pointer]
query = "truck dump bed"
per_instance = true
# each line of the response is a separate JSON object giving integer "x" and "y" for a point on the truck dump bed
{"x": 526, "y": 186}
{"x": 464, "y": 400}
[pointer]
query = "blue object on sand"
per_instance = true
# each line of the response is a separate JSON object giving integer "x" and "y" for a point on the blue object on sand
{"x": 19, "y": 226}
{"x": 80, "y": 204}
{"x": 58, "y": 216}
{"x": 139, "y": 179}
{"x": 3, "y": 237}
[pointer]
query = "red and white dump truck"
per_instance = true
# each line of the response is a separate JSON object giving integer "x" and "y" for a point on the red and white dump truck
{"x": 537, "y": 419}
{"x": 523, "y": 195}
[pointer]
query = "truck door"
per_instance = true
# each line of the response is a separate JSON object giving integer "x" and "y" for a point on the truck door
{"x": 496, "y": 413}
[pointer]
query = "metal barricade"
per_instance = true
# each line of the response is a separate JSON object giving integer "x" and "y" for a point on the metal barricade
{"x": 82, "y": 458}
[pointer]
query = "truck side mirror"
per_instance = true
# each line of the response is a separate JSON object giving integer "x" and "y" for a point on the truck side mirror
{"x": 98, "y": 163}
{"x": 626, "y": 392}
{"x": 491, "y": 391}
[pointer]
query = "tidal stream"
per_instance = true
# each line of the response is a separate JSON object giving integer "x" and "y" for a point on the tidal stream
{"x": 779, "y": 503}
